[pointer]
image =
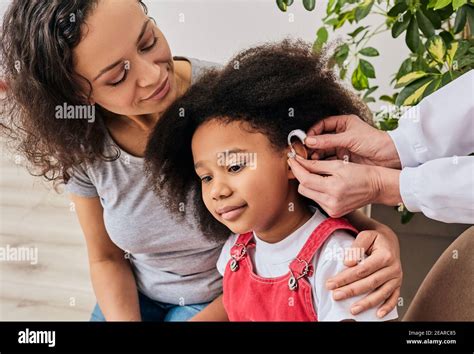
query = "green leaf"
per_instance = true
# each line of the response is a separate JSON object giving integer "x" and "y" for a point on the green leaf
{"x": 447, "y": 37}
{"x": 342, "y": 73}
{"x": 367, "y": 68}
{"x": 451, "y": 53}
{"x": 460, "y": 21}
{"x": 433, "y": 17}
{"x": 331, "y": 22}
{"x": 442, "y": 3}
{"x": 425, "y": 24}
{"x": 406, "y": 216}
{"x": 309, "y": 4}
{"x": 368, "y": 99}
{"x": 436, "y": 47}
{"x": 448, "y": 77}
{"x": 341, "y": 54}
{"x": 321, "y": 39}
{"x": 412, "y": 38}
{"x": 458, "y": 3}
{"x": 432, "y": 87}
{"x": 359, "y": 80}
{"x": 370, "y": 90}
{"x": 409, "y": 78}
{"x": 470, "y": 18}
{"x": 363, "y": 10}
{"x": 432, "y": 3}
{"x": 322, "y": 34}
{"x": 387, "y": 98}
{"x": 397, "y": 9}
{"x": 329, "y": 8}
{"x": 369, "y": 52}
{"x": 400, "y": 26}
{"x": 405, "y": 68}
{"x": 388, "y": 124}
{"x": 412, "y": 93}
{"x": 357, "y": 31}
{"x": 282, "y": 5}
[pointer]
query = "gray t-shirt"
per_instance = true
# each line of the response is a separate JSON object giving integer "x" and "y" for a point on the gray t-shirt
{"x": 172, "y": 261}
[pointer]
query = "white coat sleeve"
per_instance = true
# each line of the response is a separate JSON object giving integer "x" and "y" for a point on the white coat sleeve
{"x": 441, "y": 125}
{"x": 442, "y": 189}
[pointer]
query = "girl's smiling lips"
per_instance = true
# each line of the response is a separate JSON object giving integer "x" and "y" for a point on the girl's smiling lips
{"x": 231, "y": 212}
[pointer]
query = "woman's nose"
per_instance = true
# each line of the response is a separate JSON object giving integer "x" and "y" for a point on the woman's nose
{"x": 148, "y": 73}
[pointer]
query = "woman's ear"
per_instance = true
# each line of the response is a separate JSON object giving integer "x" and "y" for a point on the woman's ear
{"x": 300, "y": 150}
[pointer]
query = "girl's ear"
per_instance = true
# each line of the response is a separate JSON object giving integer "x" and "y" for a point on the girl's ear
{"x": 300, "y": 150}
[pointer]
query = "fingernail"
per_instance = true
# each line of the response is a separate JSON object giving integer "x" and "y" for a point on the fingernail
{"x": 381, "y": 313}
{"x": 338, "y": 295}
{"x": 356, "y": 309}
{"x": 330, "y": 285}
{"x": 311, "y": 140}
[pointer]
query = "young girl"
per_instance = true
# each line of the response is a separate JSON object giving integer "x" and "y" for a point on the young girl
{"x": 226, "y": 139}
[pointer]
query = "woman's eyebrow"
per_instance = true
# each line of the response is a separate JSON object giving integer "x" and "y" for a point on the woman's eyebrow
{"x": 111, "y": 66}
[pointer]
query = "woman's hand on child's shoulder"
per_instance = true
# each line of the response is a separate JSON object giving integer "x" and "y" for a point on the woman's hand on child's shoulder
{"x": 380, "y": 273}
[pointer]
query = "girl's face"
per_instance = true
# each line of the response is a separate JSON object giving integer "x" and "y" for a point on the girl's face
{"x": 245, "y": 182}
{"x": 127, "y": 59}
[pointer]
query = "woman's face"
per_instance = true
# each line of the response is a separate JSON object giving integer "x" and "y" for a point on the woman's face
{"x": 127, "y": 60}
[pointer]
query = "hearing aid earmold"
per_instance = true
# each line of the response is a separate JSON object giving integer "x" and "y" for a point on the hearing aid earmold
{"x": 301, "y": 135}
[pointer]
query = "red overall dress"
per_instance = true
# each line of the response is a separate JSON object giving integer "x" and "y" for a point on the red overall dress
{"x": 249, "y": 297}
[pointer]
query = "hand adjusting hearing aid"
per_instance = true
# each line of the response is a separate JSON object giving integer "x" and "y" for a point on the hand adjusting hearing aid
{"x": 300, "y": 135}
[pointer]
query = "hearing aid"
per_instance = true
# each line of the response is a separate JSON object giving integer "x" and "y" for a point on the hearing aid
{"x": 301, "y": 135}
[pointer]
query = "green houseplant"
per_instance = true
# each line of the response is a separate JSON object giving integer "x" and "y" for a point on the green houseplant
{"x": 438, "y": 34}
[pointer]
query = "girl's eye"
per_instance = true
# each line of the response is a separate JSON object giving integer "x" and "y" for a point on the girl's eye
{"x": 146, "y": 49}
{"x": 236, "y": 168}
{"x": 206, "y": 179}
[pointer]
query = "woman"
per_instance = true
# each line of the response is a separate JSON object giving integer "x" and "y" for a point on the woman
{"x": 144, "y": 264}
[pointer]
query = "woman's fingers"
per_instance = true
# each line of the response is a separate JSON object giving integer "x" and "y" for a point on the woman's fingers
{"x": 329, "y": 124}
{"x": 318, "y": 197}
{"x": 354, "y": 274}
{"x": 322, "y": 154}
{"x": 359, "y": 247}
{"x": 389, "y": 304}
{"x": 329, "y": 141}
{"x": 305, "y": 177}
{"x": 319, "y": 166}
{"x": 387, "y": 291}
{"x": 365, "y": 285}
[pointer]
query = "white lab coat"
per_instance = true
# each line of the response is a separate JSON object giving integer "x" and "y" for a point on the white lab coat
{"x": 434, "y": 140}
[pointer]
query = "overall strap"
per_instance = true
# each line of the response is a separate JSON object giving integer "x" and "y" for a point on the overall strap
{"x": 301, "y": 265}
{"x": 239, "y": 249}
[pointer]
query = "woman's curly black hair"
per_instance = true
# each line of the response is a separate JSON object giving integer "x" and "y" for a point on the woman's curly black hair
{"x": 37, "y": 64}
{"x": 273, "y": 88}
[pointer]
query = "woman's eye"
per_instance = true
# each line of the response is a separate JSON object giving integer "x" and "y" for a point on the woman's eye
{"x": 146, "y": 49}
{"x": 121, "y": 80}
{"x": 235, "y": 168}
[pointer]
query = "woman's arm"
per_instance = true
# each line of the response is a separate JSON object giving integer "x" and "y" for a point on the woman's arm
{"x": 112, "y": 277}
{"x": 213, "y": 312}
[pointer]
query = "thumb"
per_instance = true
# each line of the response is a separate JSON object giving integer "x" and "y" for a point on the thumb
{"x": 328, "y": 141}
{"x": 361, "y": 244}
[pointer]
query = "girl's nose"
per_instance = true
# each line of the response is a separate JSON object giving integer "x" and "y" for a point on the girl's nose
{"x": 220, "y": 191}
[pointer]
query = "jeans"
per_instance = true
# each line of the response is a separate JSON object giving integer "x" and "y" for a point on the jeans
{"x": 154, "y": 311}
